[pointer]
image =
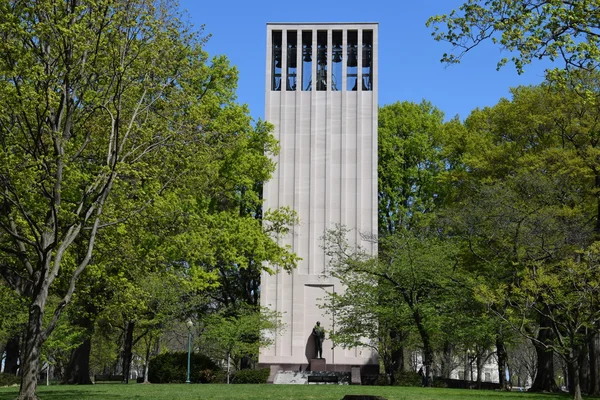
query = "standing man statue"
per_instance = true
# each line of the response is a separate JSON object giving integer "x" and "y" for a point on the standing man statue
{"x": 319, "y": 334}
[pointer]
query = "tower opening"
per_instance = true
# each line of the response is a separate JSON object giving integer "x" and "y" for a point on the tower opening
{"x": 321, "y": 60}
{"x": 306, "y": 60}
{"x": 292, "y": 44}
{"x": 276, "y": 61}
{"x": 352, "y": 62}
{"x": 367, "y": 60}
{"x": 336, "y": 60}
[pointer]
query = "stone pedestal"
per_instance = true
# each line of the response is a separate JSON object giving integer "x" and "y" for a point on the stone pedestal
{"x": 355, "y": 376}
{"x": 318, "y": 364}
{"x": 274, "y": 370}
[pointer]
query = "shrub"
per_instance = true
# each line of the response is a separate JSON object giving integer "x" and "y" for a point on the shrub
{"x": 220, "y": 377}
{"x": 172, "y": 368}
{"x": 439, "y": 383}
{"x": 9, "y": 380}
{"x": 408, "y": 378}
{"x": 251, "y": 376}
{"x": 382, "y": 380}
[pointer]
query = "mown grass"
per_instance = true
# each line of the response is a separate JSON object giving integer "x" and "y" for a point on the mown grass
{"x": 116, "y": 391}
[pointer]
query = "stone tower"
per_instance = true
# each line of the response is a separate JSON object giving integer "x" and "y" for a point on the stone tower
{"x": 321, "y": 96}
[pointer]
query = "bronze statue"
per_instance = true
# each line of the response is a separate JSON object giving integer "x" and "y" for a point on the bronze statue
{"x": 319, "y": 334}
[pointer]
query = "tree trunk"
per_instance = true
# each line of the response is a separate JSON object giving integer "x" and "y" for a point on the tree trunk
{"x": 584, "y": 370}
{"x": 594, "y": 352}
{"x": 544, "y": 380}
{"x": 127, "y": 350}
{"x": 34, "y": 339}
{"x": 427, "y": 349}
{"x": 574, "y": 386}
{"x": 398, "y": 359}
{"x": 2, "y": 348}
{"x": 447, "y": 360}
{"x": 479, "y": 364}
{"x": 502, "y": 365}
{"x": 78, "y": 369}
{"x": 11, "y": 363}
{"x": 149, "y": 343}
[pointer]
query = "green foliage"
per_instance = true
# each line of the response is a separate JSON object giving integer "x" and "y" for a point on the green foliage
{"x": 63, "y": 339}
{"x": 408, "y": 378}
{"x": 410, "y": 287}
{"x": 409, "y": 143}
{"x": 251, "y": 376}
{"x": 234, "y": 334}
{"x": 172, "y": 368}
{"x": 131, "y": 178}
{"x": 556, "y": 30}
{"x": 527, "y": 210}
{"x": 13, "y": 313}
{"x": 9, "y": 379}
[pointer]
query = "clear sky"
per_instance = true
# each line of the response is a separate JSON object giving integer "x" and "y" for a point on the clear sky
{"x": 409, "y": 58}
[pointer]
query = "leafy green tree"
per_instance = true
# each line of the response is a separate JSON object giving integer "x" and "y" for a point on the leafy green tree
{"x": 417, "y": 267}
{"x": 98, "y": 96}
{"x": 409, "y": 160}
{"x": 231, "y": 336}
{"x": 528, "y": 196}
{"x": 368, "y": 313}
{"x": 533, "y": 29}
{"x": 566, "y": 294}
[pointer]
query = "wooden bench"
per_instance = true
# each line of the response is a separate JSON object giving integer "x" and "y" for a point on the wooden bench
{"x": 323, "y": 379}
{"x": 108, "y": 378}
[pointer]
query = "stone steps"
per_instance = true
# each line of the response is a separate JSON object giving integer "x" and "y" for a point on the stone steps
{"x": 301, "y": 377}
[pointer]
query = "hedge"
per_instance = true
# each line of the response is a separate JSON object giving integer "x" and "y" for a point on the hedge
{"x": 172, "y": 368}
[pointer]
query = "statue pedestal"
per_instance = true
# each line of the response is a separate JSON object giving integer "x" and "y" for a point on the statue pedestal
{"x": 355, "y": 376}
{"x": 318, "y": 364}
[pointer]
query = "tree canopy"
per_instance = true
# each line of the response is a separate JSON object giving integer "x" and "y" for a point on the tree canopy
{"x": 557, "y": 30}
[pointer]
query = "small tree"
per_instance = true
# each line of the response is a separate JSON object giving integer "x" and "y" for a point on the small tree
{"x": 230, "y": 336}
{"x": 415, "y": 273}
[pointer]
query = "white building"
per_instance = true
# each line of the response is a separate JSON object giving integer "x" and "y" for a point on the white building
{"x": 321, "y": 96}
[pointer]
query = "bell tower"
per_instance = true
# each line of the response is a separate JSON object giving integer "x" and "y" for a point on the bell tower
{"x": 321, "y": 96}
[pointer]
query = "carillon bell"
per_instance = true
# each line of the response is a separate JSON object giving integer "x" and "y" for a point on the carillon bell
{"x": 337, "y": 53}
{"x": 291, "y": 56}
{"x": 352, "y": 61}
{"x": 306, "y": 54}
{"x": 366, "y": 56}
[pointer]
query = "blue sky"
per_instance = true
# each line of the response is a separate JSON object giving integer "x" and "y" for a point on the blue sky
{"x": 409, "y": 66}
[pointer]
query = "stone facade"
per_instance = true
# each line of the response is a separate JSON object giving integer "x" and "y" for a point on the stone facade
{"x": 321, "y": 96}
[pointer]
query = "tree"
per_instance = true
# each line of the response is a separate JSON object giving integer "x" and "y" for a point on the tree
{"x": 533, "y": 29}
{"x": 97, "y": 96}
{"x": 416, "y": 266}
{"x": 409, "y": 157}
{"x": 409, "y": 162}
{"x": 566, "y": 294}
{"x": 234, "y": 334}
{"x": 368, "y": 313}
{"x": 529, "y": 195}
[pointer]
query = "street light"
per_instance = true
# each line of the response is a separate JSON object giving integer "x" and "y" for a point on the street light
{"x": 190, "y": 325}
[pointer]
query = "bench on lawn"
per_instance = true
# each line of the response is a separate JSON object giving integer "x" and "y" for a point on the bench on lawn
{"x": 108, "y": 378}
{"x": 323, "y": 379}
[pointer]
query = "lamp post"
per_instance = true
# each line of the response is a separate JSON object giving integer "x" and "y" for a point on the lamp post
{"x": 189, "y": 324}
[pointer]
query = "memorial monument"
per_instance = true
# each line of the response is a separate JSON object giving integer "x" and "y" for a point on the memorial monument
{"x": 321, "y": 96}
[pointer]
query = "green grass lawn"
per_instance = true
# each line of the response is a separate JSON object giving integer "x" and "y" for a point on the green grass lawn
{"x": 115, "y": 391}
